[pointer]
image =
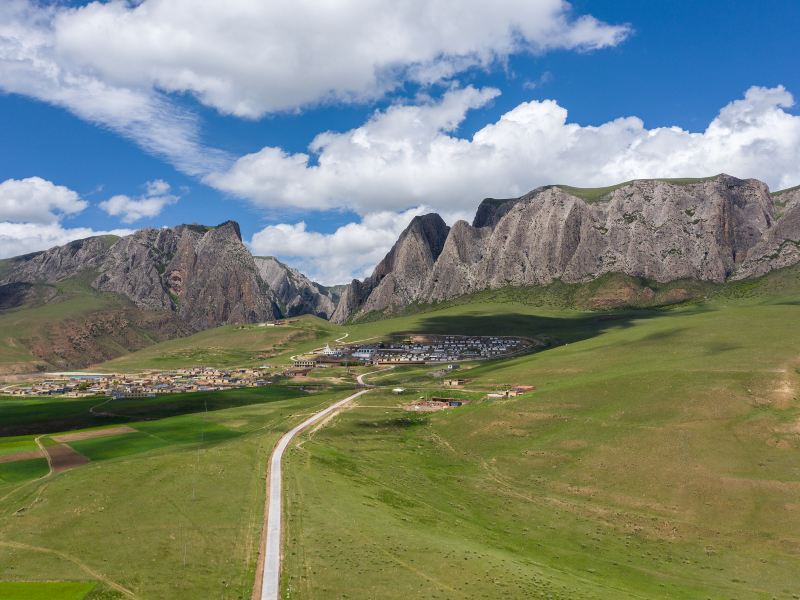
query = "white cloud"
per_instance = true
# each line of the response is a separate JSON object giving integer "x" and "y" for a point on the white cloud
{"x": 250, "y": 57}
{"x": 32, "y": 65}
{"x": 350, "y": 251}
{"x": 119, "y": 64}
{"x": 408, "y": 155}
{"x": 157, "y": 195}
{"x": 31, "y": 211}
{"x": 21, "y": 238}
{"x": 36, "y": 200}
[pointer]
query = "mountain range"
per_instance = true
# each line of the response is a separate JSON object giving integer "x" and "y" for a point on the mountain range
{"x": 161, "y": 283}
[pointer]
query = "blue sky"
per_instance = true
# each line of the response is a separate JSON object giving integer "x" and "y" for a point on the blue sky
{"x": 223, "y": 142}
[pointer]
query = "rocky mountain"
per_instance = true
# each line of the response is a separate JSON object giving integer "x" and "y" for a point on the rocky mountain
{"x": 711, "y": 229}
{"x": 295, "y": 293}
{"x": 399, "y": 278}
{"x": 204, "y": 276}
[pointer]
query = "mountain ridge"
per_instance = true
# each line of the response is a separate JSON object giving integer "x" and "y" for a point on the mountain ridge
{"x": 707, "y": 229}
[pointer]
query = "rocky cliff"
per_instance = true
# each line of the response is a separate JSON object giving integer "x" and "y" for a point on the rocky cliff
{"x": 295, "y": 293}
{"x": 400, "y": 277}
{"x": 709, "y": 229}
{"x": 204, "y": 276}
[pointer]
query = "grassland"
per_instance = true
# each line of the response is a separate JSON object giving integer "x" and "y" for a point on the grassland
{"x": 172, "y": 510}
{"x": 46, "y": 590}
{"x": 656, "y": 459}
{"x": 226, "y": 346}
{"x": 72, "y": 300}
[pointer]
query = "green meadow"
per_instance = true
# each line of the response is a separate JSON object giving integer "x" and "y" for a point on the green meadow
{"x": 657, "y": 458}
{"x": 172, "y": 510}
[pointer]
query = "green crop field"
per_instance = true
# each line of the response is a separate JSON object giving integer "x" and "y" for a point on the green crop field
{"x": 657, "y": 458}
{"x": 172, "y": 510}
{"x": 29, "y": 415}
{"x": 47, "y": 591}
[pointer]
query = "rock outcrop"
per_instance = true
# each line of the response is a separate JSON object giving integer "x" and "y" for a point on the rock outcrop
{"x": 295, "y": 293}
{"x": 709, "y": 229}
{"x": 204, "y": 275}
{"x": 399, "y": 278}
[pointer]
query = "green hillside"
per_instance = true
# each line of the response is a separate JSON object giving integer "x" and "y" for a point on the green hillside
{"x": 656, "y": 459}
{"x": 226, "y": 346}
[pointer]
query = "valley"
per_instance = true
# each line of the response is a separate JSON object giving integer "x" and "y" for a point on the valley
{"x": 630, "y": 471}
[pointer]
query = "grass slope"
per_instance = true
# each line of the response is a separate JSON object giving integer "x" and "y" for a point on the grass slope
{"x": 229, "y": 345}
{"x": 657, "y": 459}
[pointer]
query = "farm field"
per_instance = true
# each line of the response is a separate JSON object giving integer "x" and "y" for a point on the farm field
{"x": 171, "y": 509}
{"x": 657, "y": 458}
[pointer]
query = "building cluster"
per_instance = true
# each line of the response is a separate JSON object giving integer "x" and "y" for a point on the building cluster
{"x": 146, "y": 384}
{"x": 418, "y": 349}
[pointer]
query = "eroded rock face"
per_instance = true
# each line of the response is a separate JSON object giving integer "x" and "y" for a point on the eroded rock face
{"x": 399, "y": 278}
{"x": 780, "y": 246}
{"x": 708, "y": 230}
{"x": 296, "y": 294}
{"x": 205, "y": 275}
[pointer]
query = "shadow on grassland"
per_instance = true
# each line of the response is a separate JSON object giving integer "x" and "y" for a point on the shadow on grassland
{"x": 553, "y": 330}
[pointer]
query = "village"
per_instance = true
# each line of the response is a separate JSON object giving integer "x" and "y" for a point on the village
{"x": 416, "y": 349}
{"x": 141, "y": 385}
{"x": 444, "y": 350}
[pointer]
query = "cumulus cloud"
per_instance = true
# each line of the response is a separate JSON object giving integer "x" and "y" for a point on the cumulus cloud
{"x": 157, "y": 195}
{"x": 31, "y": 64}
{"x": 36, "y": 200}
{"x": 22, "y": 238}
{"x": 31, "y": 211}
{"x": 251, "y": 57}
{"x": 121, "y": 64}
{"x": 409, "y": 155}
{"x": 350, "y": 251}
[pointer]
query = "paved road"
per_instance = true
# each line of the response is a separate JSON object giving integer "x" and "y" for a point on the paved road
{"x": 270, "y": 580}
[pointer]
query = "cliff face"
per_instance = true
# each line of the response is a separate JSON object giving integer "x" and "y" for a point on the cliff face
{"x": 709, "y": 230}
{"x": 205, "y": 276}
{"x": 296, "y": 294}
{"x": 399, "y": 278}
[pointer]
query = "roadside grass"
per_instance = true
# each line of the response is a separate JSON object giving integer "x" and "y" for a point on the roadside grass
{"x": 179, "y": 518}
{"x": 656, "y": 459}
{"x": 51, "y": 590}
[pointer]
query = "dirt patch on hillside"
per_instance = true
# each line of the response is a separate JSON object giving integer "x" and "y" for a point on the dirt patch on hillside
{"x": 7, "y": 458}
{"x": 88, "y": 435}
{"x": 63, "y": 457}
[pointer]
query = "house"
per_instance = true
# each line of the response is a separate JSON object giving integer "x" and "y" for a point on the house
{"x": 304, "y": 363}
{"x": 454, "y": 382}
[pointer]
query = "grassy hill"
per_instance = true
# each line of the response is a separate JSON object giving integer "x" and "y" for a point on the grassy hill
{"x": 656, "y": 459}
{"x": 226, "y": 346}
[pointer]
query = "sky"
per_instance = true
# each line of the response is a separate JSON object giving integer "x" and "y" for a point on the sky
{"x": 324, "y": 128}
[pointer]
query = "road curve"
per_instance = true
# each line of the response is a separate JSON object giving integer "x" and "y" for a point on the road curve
{"x": 270, "y": 578}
